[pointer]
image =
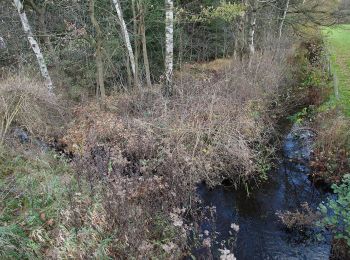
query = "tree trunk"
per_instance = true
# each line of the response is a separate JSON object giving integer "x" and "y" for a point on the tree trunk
{"x": 136, "y": 42}
{"x": 169, "y": 46}
{"x": 41, "y": 11}
{"x": 282, "y": 20}
{"x": 2, "y": 43}
{"x": 125, "y": 36}
{"x": 251, "y": 43}
{"x": 34, "y": 44}
{"x": 144, "y": 47}
{"x": 128, "y": 71}
{"x": 98, "y": 54}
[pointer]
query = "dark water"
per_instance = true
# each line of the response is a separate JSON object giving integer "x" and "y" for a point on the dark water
{"x": 261, "y": 235}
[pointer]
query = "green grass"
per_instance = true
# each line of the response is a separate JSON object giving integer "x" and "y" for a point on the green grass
{"x": 29, "y": 188}
{"x": 338, "y": 42}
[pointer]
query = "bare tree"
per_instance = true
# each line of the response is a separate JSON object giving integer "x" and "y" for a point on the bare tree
{"x": 283, "y": 19}
{"x": 98, "y": 53}
{"x": 251, "y": 43}
{"x": 34, "y": 44}
{"x": 144, "y": 44}
{"x": 2, "y": 43}
{"x": 136, "y": 41}
{"x": 169, "y": 46}
{"x": 40, "y": 10}
{"x": 126, "y": 38}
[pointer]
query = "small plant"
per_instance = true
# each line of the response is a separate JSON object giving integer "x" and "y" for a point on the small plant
{"x": 299, "y": 117}
{"x": 28, "y": 104}
{"x": 299, "y": 219}
{"x": 336, "y": 211}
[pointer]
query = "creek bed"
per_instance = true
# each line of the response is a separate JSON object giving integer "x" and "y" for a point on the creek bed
{"x": 261, "y": 235}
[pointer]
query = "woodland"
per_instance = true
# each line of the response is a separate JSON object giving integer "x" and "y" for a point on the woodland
{"x": 121, "y": 120}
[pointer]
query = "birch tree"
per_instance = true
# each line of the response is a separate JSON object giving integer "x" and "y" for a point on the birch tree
{"x": 136, "y": 41}
{"x": 2, "y": 43}
{"x": 169, "y": 46}
{"x": 34, "y": 44}
{"x": 251, "y": 43}
{"x": 144, "y": 45}
{"x": 126, "y": 38}
{"x": 283, "y": 19}
{"x": 40, "y": 10}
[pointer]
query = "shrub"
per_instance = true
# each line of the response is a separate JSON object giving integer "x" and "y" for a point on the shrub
{"x": 299, "y": 219}
{"x": 217, "y": 126}
{"x": 336, "y": 211}
{"x": 28, "y": 104}
{"x": 331, "y": 153}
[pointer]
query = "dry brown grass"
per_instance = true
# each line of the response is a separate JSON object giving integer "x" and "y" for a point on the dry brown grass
{"x": 331, "y": 154}
{"x": 142, "y": 155}
{"x": 27, "y": 104}
{"x": 217, "y": 126}
{"x": 138, "y": 159}
{"x": 299, "y": 219}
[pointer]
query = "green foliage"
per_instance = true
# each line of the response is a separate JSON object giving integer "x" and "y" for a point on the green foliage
{"x": 227, "y": 11}
{"x": 338, "y": 40}
{"x": 299, "y": 117}
{"x": 224, "y": 11}
{"x": 336, "y": 211}
{"x": 31, "y": 198}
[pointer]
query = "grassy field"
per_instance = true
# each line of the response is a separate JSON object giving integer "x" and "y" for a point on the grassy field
{"x": 338, "y": 41}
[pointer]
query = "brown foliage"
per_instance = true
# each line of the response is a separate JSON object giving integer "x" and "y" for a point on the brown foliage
{"x": 299, "y": 219}
{"x": 142, "y": 155}
{"x": 27, "y": 104}
{"x": 331, "y": 154}
{"x": 214, "y": 128}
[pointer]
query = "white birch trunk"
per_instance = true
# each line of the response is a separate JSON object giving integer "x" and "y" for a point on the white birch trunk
{"x": 251, "y": 34}
{"x": 34, "y": 44}
{"x": 283, "y": 19}
{"x": 251, "y": 43}
{"x": 144, "y": 50}
{"x": 125, "y": 35}
{"x": 169, "y": 45}
{"x": 2, "y": 43}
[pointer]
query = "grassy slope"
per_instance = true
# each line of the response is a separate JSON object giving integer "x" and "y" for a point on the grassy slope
{"x": 338, "y": 39}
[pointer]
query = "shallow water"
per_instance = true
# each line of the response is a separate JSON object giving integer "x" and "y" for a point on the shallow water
{"x": 261, "y": 235}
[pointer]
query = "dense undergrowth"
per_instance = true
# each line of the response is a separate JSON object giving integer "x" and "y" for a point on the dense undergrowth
{"x": 331, "y": 161}
{"x": 129, "y": 191}
{"x": 328, "y": 118}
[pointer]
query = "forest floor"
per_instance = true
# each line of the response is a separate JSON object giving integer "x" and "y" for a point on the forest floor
{"x": 338, "y": 40}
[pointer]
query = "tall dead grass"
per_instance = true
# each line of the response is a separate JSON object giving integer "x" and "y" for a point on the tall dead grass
{"x": 217, "y": 126}
{"x": 27, "y": 104}
{"x": 331, "y": 154}
{"x": 142, "y": 155}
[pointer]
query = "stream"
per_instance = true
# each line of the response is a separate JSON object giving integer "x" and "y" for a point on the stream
{"x": 261, "y": 235}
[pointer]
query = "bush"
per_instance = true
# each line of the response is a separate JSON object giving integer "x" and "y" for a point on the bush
{"x": 336, "y": 211}
{"x": 218, "y": 126}
{"x": 330, "y": 159}
{"x": 299, "y": 219}
{"x": 29, "y": 105}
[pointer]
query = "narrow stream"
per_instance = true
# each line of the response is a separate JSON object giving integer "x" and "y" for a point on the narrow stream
{"x": 261, "y": 235}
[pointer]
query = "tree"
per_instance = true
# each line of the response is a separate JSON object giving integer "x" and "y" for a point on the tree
{"x": 126, "y": 39}
{"x": 34, "y": 44}
{"x": 144, "y": 43}
{"x": 252, "y": 25}
{"x": 283, "y": 19}
{"x": 40, "y": 11}
{"x": 2, "y": 43}
{"x": 100, "y": 91}
{"x": 169, "y": 46}
{"x": 136, "y": 41}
